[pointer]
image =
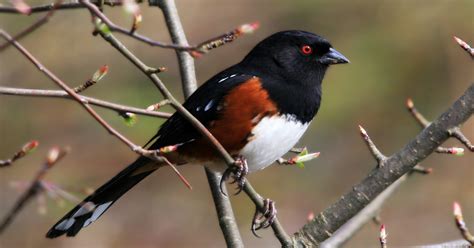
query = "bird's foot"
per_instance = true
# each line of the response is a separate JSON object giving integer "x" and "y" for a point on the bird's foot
{"x": 238, "y": 171}
{"x": 264, "y": 219}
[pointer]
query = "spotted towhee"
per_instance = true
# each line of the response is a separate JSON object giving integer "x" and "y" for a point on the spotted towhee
{"x": 258, "y": 109}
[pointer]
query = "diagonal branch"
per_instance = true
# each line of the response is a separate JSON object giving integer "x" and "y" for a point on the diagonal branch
{"x": 397, "y": 165}
{"x": 36, "y": 186}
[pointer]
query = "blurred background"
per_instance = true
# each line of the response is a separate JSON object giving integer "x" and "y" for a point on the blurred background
{"x": 398, "y": 49}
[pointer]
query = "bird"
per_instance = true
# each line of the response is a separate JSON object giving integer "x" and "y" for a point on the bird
{"x": 258, "y": 109}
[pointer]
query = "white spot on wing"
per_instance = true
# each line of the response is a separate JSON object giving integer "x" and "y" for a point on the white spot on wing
{"x": 85, "y": 208}
{"x": 65, "y": 224}
{"x": 100, "y": 210}
{"x": 273, "y": 137}
{"x": 97, "y": 213}
{"x": 209, "y": 105}
{"x": 222, "y": 80}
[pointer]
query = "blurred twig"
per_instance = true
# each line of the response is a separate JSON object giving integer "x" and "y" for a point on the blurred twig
{"x": 90, "y": 100}
{"x": 34, "y": 26}
{"x": 36, "y": 186}
{"x": 27, "y": 148}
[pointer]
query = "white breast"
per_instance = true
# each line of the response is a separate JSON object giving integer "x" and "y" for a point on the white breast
{"x": 272, "y": 138}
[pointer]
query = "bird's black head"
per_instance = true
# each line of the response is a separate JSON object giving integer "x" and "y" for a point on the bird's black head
{"x": 295, "y": 55}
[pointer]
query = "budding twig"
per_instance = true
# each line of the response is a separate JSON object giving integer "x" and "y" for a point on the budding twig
{"x": 25, "y": 150}
{"x": 195, "y": 51}
{"x": 379, "y": 157}
{"x": 465, "y": 46}
{"x": 454, "y": 132}
{"x": 36, "y": 186}
{"x": 422, "y": 170}
{"x": 98, "y": 75}
{"x": 458, "y": 218}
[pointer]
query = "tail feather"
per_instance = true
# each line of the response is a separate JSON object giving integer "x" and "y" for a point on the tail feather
{"x": 92, "y": 207}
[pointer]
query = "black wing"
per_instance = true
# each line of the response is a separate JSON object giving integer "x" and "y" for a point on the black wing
{"x": 203, "y": 104}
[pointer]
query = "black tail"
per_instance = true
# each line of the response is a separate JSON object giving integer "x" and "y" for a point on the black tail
{"x": 91, "y": 208}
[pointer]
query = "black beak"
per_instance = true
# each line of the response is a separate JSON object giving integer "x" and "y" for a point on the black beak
{"x": 333, "y": 57}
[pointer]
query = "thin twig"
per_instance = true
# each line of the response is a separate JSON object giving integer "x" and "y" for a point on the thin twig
{"x": 92, "y": 101}
{"x": 154, "y": 155}
{"x": 379, "y": 157}
{"x": 54, "y": 156}
{"x": 383, "y": 237}
{"x": 34, "y": 26}
{"x": 454, "y": 132}
{"x": 63, "y": 6}
{"x": 25, "y": 150}
{"x": 465, "y": 46}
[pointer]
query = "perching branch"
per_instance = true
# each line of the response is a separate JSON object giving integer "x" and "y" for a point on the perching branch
{"x": 36, "y": 186}
{"x": 225, "y": 214}
{"x": 397, "y": 165}
{"x": 283, "y": 237}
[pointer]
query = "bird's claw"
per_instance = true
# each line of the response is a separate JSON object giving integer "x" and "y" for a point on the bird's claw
{"x": 238, "y": 171}
{"x": 264, "y": 219}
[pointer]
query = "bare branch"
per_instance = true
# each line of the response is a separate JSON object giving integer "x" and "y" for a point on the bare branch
{"x": 34, "y": 26}
{"x": 54, "y": 156}
{"x": 397, "y": 165}
{"x": 383, "y": 237}
{"x": 345, "y": 232}
{"x": 25, "y": 150}
{"x": 92, "y": 101}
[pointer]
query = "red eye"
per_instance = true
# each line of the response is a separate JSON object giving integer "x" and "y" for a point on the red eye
{"x": 306, "y": 50}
